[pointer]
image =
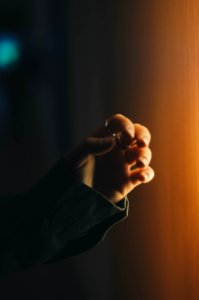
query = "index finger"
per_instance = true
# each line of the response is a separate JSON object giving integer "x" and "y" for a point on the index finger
{"x": 118, "y": 124}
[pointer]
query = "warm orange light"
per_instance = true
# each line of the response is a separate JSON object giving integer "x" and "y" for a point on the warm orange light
{"x": 161, "y": 84}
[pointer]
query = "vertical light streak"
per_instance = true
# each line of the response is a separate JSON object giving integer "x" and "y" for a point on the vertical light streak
{"x": 162, "y": 85}
{"x": 195, "y": 29}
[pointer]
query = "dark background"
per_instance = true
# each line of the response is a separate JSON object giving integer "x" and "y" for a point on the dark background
{"x": 82, "y": 61}
{"x": 61, "y": 90}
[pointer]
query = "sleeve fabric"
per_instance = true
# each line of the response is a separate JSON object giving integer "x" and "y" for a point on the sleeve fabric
{"x": 57, "y": 218}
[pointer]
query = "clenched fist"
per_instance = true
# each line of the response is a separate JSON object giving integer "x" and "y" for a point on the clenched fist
{"x": 114, "y": 159}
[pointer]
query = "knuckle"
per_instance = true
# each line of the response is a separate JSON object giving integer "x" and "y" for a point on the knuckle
{"x": 146, "y": 131}
{"x": 149, "y": 153}
{"x": 142, "y": 128}
{"x": 119, "y": 122}
{"x": 138, "y": 125}
{"x": 117, "y": 116}
{"x": 144, "y": 157}
{"x": 151, "y": 172}
{"x": 144, "y": 152}
{"x": 121, "y": 118}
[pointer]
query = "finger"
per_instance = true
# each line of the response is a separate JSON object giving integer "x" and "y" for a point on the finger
{"x": 141, "y": 156}
{"x": 90, "y": 146}
{"x": 142, "y": 135}
{"x": 118, "y": 124}
{"x": 142, "y": 175}
{"x": 97, "y": 146}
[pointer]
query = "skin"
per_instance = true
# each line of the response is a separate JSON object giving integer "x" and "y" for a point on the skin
{"x": 102, "y": 161}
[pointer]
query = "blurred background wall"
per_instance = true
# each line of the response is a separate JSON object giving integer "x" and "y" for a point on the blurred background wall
{"x": 70, "y": 65}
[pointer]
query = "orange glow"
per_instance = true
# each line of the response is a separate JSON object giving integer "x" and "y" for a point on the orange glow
{"x": 159, "y": 243}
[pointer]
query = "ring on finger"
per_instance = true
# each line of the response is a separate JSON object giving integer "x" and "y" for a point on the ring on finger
{"x": 118, "y": 136}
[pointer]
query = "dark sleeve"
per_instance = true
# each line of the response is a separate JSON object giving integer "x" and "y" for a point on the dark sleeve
{"x": 57, "y": 218}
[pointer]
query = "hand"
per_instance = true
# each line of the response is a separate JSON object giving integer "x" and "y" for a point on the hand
{"x": 114, "y": 159}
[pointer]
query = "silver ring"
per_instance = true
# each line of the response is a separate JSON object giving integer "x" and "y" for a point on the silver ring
{"x": 106, "y": 125}
{"x": 118, "y": 137}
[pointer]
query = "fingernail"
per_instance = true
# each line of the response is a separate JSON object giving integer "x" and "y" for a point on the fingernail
{"x": 145, "y": 176}
{"x": 143, "y": 141}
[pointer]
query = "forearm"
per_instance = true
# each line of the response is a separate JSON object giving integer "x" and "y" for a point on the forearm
{"x": 58, "y": 217}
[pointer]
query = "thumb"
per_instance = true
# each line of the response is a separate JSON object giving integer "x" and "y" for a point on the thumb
{"x": 90, "y": 146}
{"x": 99, "y": 145}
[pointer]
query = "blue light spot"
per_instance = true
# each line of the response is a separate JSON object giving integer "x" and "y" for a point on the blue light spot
{"x": 9, "y": 52}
